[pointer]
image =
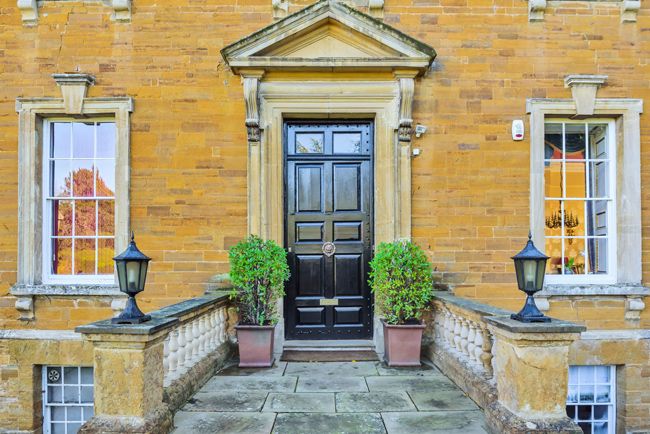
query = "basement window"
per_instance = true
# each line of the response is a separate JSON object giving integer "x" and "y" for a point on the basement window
{"x": 68, "y": 398}
{"x": 591, "y": 400}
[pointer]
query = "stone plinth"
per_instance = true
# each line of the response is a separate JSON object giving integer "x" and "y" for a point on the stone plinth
{"x": 128, "y": 361}
{"x": 532, "y": 368}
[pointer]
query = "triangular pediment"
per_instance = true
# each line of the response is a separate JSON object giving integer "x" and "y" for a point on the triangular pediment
{"x": 328, "y": 35}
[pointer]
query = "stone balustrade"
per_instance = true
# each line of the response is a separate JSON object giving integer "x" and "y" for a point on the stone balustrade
{"x": 144, "y": 372}
{"x": 516, "y": 372}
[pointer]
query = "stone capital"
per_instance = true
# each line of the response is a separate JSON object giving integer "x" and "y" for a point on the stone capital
{"x": 583, "y": 90}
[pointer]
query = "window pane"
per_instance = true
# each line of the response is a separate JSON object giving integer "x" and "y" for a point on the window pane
{"x": 598, "y": 141}
{"x": 553, "y": 179}
{"x": 584, "y": 412}
{"x": 554, "y": 250}
{"x": 62, "y": 217}
{"x": 602, "y": 374}
{"x": 573, "y": 375}
{"x": 86, "y": 375}
{"x": 106, "y": 140}
{"x": 347, "y": 143}
{"x": 572, "y": 395}
{"x": 82, "y": 174}
{"x": 84, "y": 215}
{"x": 70, "y": 394}
{"x": 86, "y": 394}
{"x": 105, "y": 256}
{"x": 70, "y": 376}
{"x": 553, "y": 141}
{"x": 58, "y": 428}
{"x": 74, "y": 414}
{"x": 574, "y": 218}
{"x": 575, "y": 141}
{"x": 83, "y": 140}
{"x": 84, "y": 256}
{"x": 601, "y": 428}
{"x": 586, "y": 375}
{"x": 597, "y": 213}
{"x": 58, "y": 414}
{"x": 586, "y": 427}
{"x": 88, "y": 411}
{"x": 62, "y": 256}
{"x": 54, "y": 394}
{"x": 106, "y": 217}
{"x": 575, "y": 179}
{"x": 598, "y": 179}
{"x": 309, "y": 143}
{"x": 60, "y": 140}
{"x": 73, "y": 428}
{"x": 105, "y": 172}
{"x": 597, "y": 255}
{"x": 61, "y": 182}
{"x": 603, "y": 394}
{"x": 574, "y": 256}
{"x": 586, "y": 395}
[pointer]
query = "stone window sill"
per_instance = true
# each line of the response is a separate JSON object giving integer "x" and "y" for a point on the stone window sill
{"x": 568, "y": 290}
{"x": 97, "y": 290}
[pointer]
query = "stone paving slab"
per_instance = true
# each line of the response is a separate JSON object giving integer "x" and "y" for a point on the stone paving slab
{"x": 276, "y": 370}
{"x": 300, "y": 403}
{"x": 331, "y": 384}
{"x": 266, "y": 384}
{"x": 226, "y": 401}
{"x": 223, "y": 423}
{"x": 373, "y": 402}
{"x": 436, "y": 422}
{"x": 423, "y": 370}
{"x": 442, "y": 400}
{"x": 329, "y": 423}
{"x": 346, "y": 369}
{"x": 408, "y": 383}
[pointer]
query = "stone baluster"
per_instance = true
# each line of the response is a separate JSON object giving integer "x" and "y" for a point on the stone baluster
{"x": 223, "y": 327}
{"x": 173, "y": 354}
{"x": 166, "y": 356}
{"x": 181, "y": 349}
{"x": 457, "y": 327}
{"x": 203, "y": 330}
{"x": 486, "y": 354}
{"x": 478, "y": 346}
{"x": 464, "y": 331}
{"x": 188, "y": 346}
{"x": 450, "y": 329}
{"x": 471, "y": 335}
{"x": 196, "y": 333}
{"x": 212, "y": 322}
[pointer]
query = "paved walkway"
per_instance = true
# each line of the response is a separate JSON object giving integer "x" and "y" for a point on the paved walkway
{"x": 330, "y": 397}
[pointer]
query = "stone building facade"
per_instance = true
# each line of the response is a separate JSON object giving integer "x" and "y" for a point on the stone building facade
{"x": 185, "y": 106}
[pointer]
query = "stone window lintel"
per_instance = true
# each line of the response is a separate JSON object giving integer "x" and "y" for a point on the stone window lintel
{"x": 121, "y": 11}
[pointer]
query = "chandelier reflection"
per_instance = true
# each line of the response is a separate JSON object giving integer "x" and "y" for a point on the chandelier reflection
{"x": 554, "y": 221}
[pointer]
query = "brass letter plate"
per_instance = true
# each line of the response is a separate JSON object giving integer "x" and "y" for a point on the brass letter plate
{"x": 329, "y": 301}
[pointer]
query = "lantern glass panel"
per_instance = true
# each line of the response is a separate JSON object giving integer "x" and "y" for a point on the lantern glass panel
{"x": 133, "y": 275}
{"x": 519, "y": 271}
{"x": 143, "y": 274}
{"x": 121, "y": 275}
{"x": 530, "y": 272}
{"x": 541, "y": 270}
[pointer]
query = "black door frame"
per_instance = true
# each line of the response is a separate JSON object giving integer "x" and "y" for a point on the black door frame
{"x": 371, "y": 187}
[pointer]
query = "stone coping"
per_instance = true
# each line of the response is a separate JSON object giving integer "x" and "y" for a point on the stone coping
{"x": 555, "y": 326}
{"x": 557, "y": 290}
{"x": 146, "y": 328}
{"x": 187, "y": 306}
{"x": 161, "y": 319}
{"x": 464, "y": 303}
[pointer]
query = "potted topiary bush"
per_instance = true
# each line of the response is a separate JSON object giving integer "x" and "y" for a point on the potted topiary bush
{"x": 401, "y": 280}
{"x": 258, "y": 270}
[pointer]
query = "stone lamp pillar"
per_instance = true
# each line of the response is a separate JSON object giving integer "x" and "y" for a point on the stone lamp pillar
{"x": 532, "y": 373}
{"x": 128, "y": 371}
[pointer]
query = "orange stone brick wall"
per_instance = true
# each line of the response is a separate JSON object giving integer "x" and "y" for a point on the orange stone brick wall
{"x": 188, "y": 141}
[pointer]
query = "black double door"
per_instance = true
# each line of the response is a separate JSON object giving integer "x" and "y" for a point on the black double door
{"x": 328, "y": 201}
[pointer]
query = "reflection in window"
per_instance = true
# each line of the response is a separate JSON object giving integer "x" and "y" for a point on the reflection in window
{"x": 309, "y": 143}
{"x": 347, "y": 143}
{"x": 80, "y": 160}
{"x": 577, "y": 202}
{"x": 591, "y": 397}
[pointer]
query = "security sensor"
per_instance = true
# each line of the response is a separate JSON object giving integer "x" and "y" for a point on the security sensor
{"x": 419, "y": 130}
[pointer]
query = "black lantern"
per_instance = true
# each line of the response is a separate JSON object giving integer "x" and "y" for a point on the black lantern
{"x": 530, "y": 266}
{"x": 131, "y": 267}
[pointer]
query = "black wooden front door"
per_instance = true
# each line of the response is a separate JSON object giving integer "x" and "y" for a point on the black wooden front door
{"x": 328, "y": 200}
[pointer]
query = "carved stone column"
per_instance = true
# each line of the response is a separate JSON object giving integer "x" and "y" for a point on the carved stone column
{"x": 251, "y": 80}
{"x": 406, "y": 80}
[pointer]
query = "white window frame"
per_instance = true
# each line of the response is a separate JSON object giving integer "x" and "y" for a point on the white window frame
{"x": 48, "y": 276}
{"x": 34, "y": 113}
{"x": 47, "y": 414}
{"x": 610, "y": 276}
{"x": 626, "y": 115}
{"x": 611, "y": 428}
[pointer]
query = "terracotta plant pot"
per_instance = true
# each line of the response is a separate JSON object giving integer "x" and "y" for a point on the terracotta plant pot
{"x": 255, "y": 346}
{"x": 402, "y": 344}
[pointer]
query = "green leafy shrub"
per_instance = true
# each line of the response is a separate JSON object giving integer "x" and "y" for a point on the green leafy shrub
{"x": 401, "y": 279}
{"x": 258, "y": 270}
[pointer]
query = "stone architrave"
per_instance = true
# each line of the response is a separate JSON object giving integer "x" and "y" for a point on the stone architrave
{"x": 121, "y": 10}
{"x": 29, "y": 11}
{"x": 630, "y": 10}
{"x": 583, "y": 90}
{"x": 536, "y": 10}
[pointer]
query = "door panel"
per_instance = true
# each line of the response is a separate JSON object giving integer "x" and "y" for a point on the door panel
{"x": 328, "y": 203}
